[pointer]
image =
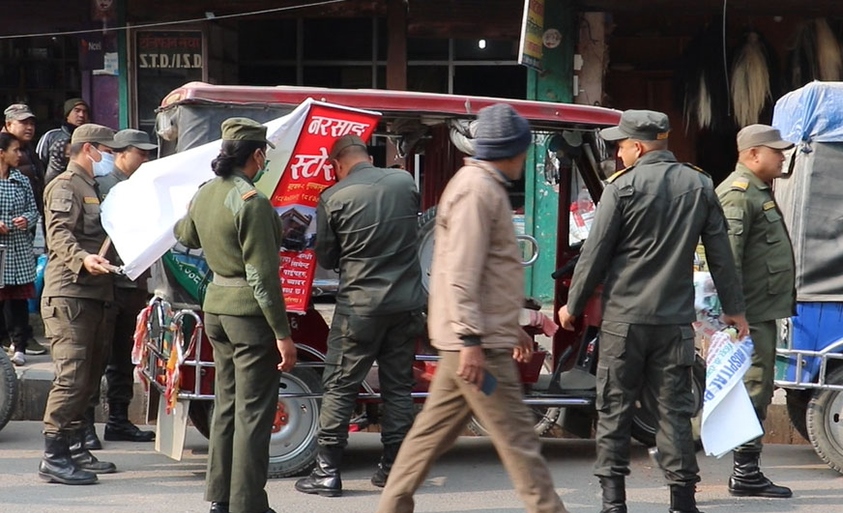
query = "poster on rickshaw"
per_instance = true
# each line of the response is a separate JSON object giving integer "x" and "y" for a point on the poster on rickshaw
{"x": 308, "y": 172}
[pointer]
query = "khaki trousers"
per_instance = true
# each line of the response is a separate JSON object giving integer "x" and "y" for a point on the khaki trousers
{"x": 443, "y": 418}
{"x": 79, "y": 345}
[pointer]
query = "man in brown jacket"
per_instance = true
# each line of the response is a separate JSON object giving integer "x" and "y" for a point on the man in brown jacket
{"x": 476, "y": 293}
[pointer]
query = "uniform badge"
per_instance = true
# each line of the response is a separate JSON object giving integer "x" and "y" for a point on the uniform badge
{"x": 249, "y": 194}
{"x": 91, "y": 200}
{"x": 741, "y": 184}
{"x": 769, "y": 205}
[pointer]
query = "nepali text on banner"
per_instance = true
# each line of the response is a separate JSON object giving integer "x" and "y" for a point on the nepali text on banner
{"x": 306, "y": 175}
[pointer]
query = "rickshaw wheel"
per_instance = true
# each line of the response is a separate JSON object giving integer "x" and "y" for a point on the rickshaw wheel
{"x": 201, "y": 413}
{"x": 545, "y": 419}
{"x": 825, "y": 422}
{"x": 293, "y": 446}
{"x": 8, "y": 389}
{"x": 644, "y": 420}
{"x": 797, "y": 410}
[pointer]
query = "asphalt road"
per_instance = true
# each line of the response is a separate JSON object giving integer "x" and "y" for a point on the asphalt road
{"x": 469, "y": 478}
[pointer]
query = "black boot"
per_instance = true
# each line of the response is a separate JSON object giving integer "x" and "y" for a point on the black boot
{"x": 325, "y": 479}
{"x": 120, "y": 429}
{"x": 747, "y": 480}
{"x": 92, "y": 441}
{"x": 682, "y": 499}
{"x": 58, "y": 467}
{"x": 614, "y": 494}
{"x": 219, "y": 507}
{"x": 83, "y": 457}
{"x": 390, "y": 451}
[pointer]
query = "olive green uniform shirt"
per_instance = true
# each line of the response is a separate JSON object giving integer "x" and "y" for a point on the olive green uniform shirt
{"x": 761, "y": 246}
{"x": 648, "y": 223}
{"x": 240, "y": 234}
{"x": 73, "y": 231}
{"x": 367, "y": 227}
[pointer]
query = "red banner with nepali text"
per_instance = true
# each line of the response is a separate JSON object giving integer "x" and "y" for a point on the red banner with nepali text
{"x": 308, "y": 173}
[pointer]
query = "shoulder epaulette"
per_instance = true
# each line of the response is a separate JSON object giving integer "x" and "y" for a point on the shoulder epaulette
{"x": 248, "y": 194}
{"x": 741, "y": 184}
{"x": 696, "y": 168}
{"x": 65, "y": 176}
{"x": 620, "y": 173}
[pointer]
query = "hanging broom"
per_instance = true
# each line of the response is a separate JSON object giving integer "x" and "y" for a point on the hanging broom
{"x": 829, "y": 60}
{"x": 750, "y": 86}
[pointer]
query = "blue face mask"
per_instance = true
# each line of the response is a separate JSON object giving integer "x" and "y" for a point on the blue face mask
{"x": 105, "y": 166}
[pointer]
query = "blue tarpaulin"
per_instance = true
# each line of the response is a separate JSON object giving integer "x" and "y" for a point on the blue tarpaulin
{"x": 813, "y": 113}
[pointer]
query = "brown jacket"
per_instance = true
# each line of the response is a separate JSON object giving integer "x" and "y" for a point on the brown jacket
{"x": 74, "y": 231}
{"x": 477, "y": 282}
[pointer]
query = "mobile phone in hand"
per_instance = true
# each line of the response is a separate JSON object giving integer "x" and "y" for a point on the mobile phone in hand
{"x": 490, "y": 382}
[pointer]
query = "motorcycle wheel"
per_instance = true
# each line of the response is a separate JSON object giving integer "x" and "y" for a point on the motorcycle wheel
{"x": 292, "y": 445}
{"x": 644, "y": 421}
{"x": 825, "y": 422}
{"x": 427, "y": 223}
{"x": 797, "y": 409}
{"x": 8, "y": 389}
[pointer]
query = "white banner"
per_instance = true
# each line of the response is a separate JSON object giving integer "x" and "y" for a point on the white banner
{"x": 139, "y": 214}
{"x": 728, "y": 418}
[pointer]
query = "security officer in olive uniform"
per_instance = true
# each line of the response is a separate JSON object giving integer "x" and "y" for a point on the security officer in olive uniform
{"x": 641, "y": 246}
{"x": 130, "y": 297}
{"x": 764, "y": 258}
{"x": 367, "y": 226}
{"x": 245, "y": 316}
{"x": 75, "y": 306}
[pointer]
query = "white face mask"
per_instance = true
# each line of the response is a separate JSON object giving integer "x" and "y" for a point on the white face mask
{"x": 105, "y": 166}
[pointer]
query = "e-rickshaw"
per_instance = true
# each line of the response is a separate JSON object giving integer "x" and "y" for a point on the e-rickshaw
{"x": 433, "y": 133}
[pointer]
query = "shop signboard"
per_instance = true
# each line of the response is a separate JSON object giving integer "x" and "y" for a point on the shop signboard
{"x": 532, "y": 26}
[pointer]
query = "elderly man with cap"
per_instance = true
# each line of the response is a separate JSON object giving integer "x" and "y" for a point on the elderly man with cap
{"x": 245, "y": 316}
{"x": 51, "y": 147}
{"x": 130, "y": 297}
{"x": 764, "y": 258}
{"x": 367, "y": 227}
{"x": 641, "y": 246}
{"x": 476, "y": 292}
{"x": 75, "y": 306}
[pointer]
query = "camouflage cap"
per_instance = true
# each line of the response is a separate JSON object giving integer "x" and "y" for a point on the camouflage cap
{"x": 94, "y": 134}
{"x": 244, "y": 129}
{"x": 18, "y": 112}
{"x": 641, "y": 125}
{"x": 345, "y": 142}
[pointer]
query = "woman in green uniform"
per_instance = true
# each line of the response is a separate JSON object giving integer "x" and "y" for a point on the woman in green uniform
{"x": 245, "y": 316}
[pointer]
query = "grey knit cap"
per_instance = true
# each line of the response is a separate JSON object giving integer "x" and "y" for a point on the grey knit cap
{"x": 501, "y": 133}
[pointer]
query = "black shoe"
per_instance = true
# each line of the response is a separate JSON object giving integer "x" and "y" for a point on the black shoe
{"x": 325, "y": 479}
{"x": 58, "y": 467}
{"x": 219, "y": 507}
{"x": 683, "y": 499}
{"x": 747, "y": 480}
{"x": 120, "y": 429}
{"x": 90, "y": 438}
{"x": 614, "y": 494}
{"x": 390, "y": 451}
{"x": 84, "y": 459}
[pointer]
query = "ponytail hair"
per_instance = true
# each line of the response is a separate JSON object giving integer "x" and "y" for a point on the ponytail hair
{"x": 233, "y": 155}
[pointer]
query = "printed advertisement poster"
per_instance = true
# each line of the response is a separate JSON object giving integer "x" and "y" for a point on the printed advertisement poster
{"x": 532, "y": 26}
{"x": 307, "y": 174}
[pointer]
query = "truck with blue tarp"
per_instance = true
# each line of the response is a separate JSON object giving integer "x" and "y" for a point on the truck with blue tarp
{"x": 810, "y": 194}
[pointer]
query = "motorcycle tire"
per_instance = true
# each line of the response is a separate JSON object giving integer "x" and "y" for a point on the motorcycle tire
{"x": 427, "y": 223}
{"x": 797, "y": 409}
{"x": 644, "y": 422}
{"x": 8, "y": 389}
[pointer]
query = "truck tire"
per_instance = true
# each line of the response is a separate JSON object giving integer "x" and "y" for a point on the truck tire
{"x": 825, "y": 422}
{"x": 797, "y": 409}
{"x": 293, "y": 445}
{"x": 644, "y": 422}
{"x": 8, "y": 389}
